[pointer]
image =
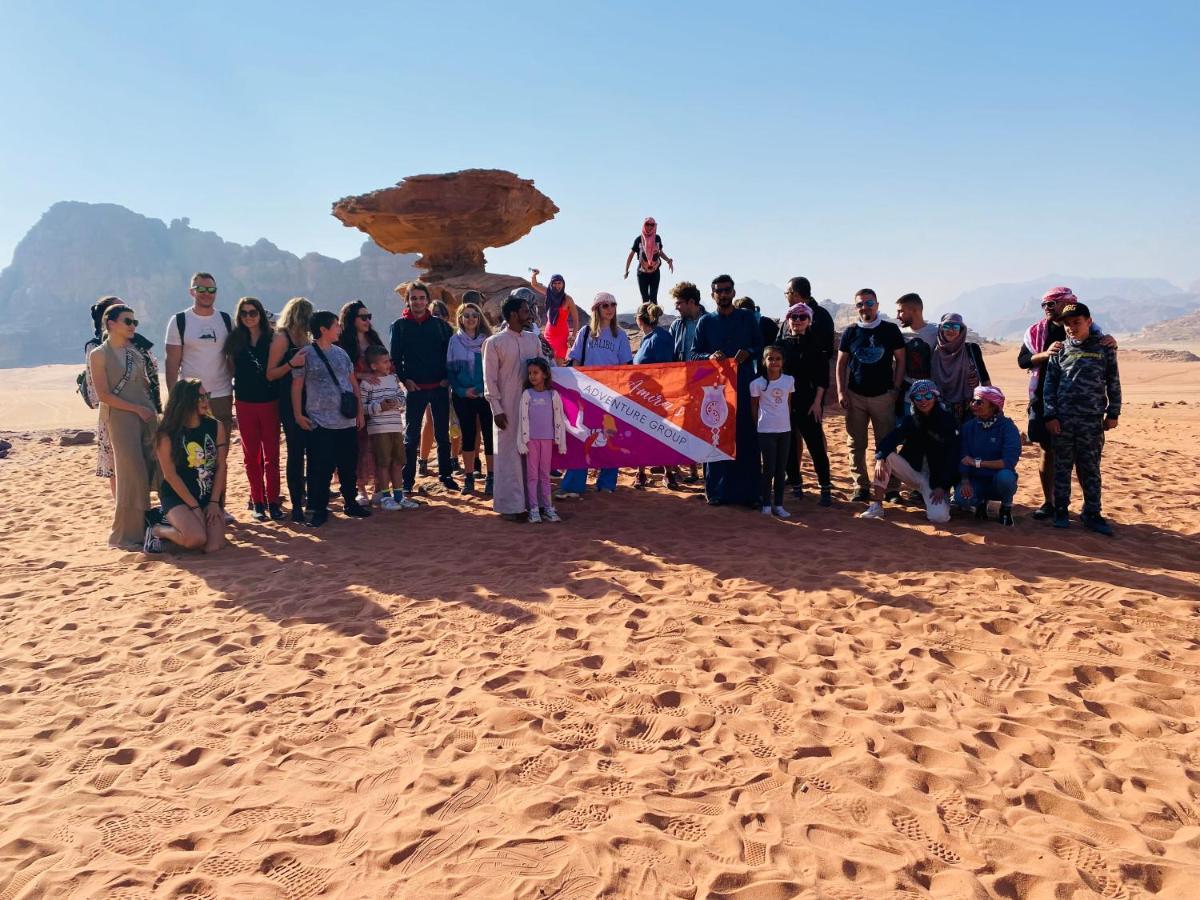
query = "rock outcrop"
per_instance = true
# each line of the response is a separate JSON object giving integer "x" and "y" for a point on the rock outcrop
{"x": 450, "y": 219}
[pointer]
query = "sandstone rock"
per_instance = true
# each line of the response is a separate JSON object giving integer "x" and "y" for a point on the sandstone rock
{"x": 77, "y": 438}
{"x": 450, "y": 219}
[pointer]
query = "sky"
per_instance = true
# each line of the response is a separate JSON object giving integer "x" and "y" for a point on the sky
{"x": 929, "y": 147}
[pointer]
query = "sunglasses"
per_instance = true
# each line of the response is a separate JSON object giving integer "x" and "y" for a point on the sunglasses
{"x": 798, "y": 318}
{"x": 978, "y": 401}
{"x": 132, "y": 322}
{"x": 250, "y": 313}
{"x": 723, "y": 290}
{"x": 951, "y": 326}
{"x": 607, "y": 305}
{"x": 366, "y": 317}
{"x": 204, "y": 290}
{"x": 866, "y": 304}
{"x": 1049, "y": 304}
{"x": 924, "y": 395}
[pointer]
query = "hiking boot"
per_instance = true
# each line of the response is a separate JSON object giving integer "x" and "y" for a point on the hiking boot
{"x": 275, "y": 511}
{"x": 260, "y": 512}
{"x": 422, "y": 467}
{"x": 826, "y": 496}
{"x": 673, "y": 482}
{"x": 1006, "y": 517}
{"x": 1097, "y": 523}
{"x": 981, "y": 511}
{"x": 489, "y": 485}
{"x": 1045, "y": 511}
{"x": 1061, "y": 519}
{"x": 468, "y": 486}
{"x": 448, "y": 483}
{"x": 356, "y": 511}
{"x": 319, "y": 518}
{"x": 297, "y": 514}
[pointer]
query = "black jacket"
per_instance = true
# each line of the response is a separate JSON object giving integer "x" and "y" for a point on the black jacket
{"x": 920, "y": 439}
{"x": 805, "y": 360}
{"x": 419, "y": 349}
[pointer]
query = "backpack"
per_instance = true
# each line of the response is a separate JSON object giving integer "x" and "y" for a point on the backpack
{"x": 85, "y": 385}
{"x": 181, "y": 323}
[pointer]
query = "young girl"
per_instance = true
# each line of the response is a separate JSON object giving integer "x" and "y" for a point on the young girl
{"x": 192, "y": 448}
{"x": 770, "y": 398}
{"x": 542, "y": 425}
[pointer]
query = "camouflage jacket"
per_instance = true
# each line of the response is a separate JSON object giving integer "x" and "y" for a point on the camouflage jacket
{"x": 1082, "y": 381}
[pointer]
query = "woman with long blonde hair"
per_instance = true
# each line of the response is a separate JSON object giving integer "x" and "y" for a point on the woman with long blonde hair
{"x": 287, "y": 353}
{"x": 464, "y": 367}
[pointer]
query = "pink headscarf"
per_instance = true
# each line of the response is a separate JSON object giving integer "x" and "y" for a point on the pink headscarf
{"x": 800, "y": 309}
{"x": 993, "y": 395}
{"x": 603, "y": 297}
{"x": 649, "y": 244}
{"x": 1059, "y": 294}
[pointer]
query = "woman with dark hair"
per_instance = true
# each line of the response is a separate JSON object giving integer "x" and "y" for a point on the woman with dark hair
{"x": 464, "y": 368}
{"x": 104, "y": 466}
{"x": 287, "y": 354}
{"x": 805, "y": 360}
{"x": 562, "y": 315}
{"x": 648, "y": 248}
{"x": 957, "y": 366}
{"x": 357, "y": 335}
{"x": 256, "y": 399}
{"x": 118, "y": 373}
{"x": 192, "y": 448}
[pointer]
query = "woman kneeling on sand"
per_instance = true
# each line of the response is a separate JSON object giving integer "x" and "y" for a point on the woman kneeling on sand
{"x": 192, "y": 449}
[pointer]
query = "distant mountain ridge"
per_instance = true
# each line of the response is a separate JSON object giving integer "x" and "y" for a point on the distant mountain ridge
{"x": 1121, "y": 305}
{"x": 78, "y": 252}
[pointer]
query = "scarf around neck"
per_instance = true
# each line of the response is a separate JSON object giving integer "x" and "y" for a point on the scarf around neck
{"x": 409, "y": 314}
{"x": 867, "y": 325}
{"x": 462, "y": 350}
{"x": 953, "y": 369}
{"x": 649, "y": 247}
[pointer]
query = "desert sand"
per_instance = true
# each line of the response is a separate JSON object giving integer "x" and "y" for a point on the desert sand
{"x": 652, "y": 699}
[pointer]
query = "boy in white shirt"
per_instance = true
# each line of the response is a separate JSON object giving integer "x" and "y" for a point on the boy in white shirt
{"x": 383, "y": 403}
{"x": 770, "y": 398}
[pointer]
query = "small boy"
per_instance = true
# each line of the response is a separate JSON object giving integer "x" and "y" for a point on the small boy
{"x": 384, "y": 406}
{"x": 1082, "y": 401}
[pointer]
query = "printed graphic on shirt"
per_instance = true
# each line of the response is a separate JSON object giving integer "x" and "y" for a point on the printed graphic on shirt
{"x": 202, "y": 459}
{"x": 868, "y": 353}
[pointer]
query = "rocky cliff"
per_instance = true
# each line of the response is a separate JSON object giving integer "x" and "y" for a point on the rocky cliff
{"x": 80, "y": 251}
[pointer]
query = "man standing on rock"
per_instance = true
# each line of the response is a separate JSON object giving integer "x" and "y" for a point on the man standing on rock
{"x": 196, "y": 349}
{"x": 505, "y": 363}
{"x": 731, "y": 333}
{"x": 418, "y": 345}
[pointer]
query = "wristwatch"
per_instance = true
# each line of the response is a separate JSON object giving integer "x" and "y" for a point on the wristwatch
{"x": 978, "y": 462}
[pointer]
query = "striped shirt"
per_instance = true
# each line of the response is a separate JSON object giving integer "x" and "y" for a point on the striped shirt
{"x": 380, "y": 420}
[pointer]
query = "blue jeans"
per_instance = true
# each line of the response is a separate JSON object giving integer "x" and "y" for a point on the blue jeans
{"x": 574, "y": 481}
{"x": 1002, "y": 486}
{"x": 438, "y": 401}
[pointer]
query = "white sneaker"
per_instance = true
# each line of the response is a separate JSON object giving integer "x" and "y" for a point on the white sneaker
{"x": 535, "y": 517}
{"x": 386, "y": 503}
{"x": 766, "y": 510}
{"x": 405, "y": 503}
{"x": 874, "y": 511}
{"x": 551, "y": 514}
{"x": 782, "y": 513}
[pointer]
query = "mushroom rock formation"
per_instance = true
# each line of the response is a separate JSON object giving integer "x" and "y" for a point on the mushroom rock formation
{"x": 450, "y": 219}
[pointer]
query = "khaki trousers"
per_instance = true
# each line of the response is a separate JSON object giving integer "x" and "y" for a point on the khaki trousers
{"x": 880, "y": 412}
{"x": 136, "y": 470}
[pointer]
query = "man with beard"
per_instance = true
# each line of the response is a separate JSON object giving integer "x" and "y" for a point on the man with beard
{"x": 506, "y": 356}
{"x": 731, "y": 333}
{"x": 1043, "y": 340}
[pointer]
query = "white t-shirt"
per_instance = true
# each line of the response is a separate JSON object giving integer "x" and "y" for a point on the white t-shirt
{"x": 203, "y": 356}
{"x": 774, "y": 415}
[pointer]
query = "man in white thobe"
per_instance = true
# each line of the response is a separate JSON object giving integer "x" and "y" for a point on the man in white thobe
{"x": 505, "y": 356}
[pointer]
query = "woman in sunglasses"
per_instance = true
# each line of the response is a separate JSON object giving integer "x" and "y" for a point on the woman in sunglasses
{"x": 192, "y": 449}
{"x": 357, "y": 335}
{"x": 957, "y": 366}
{"x": 118, "y": 372}
{"x": 601, "y": 342}
{"x": 805, "y": 360}
{"x": 991, "y": 446}
{"x": 256, "y": 400}
{"x": 921, "y": 452}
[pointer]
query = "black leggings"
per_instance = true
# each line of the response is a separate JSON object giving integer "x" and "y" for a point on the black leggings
{"x": 329, "y": 449}
{"x": 807, "y": 427}
{"x": 297, "y": 447}
{"x": 470, "y": 411}
{"x": 648, "y": 285}
{"x": 774, "y": 449}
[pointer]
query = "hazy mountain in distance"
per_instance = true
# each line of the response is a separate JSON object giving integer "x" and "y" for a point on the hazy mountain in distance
{"x": 1121, "y": 305}
{"x": 78, "y": 252}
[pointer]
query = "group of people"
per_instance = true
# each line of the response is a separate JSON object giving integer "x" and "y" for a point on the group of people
{"x": 348, "y": 403}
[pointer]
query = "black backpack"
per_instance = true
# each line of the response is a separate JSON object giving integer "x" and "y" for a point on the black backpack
{"x": 181, "y": 323}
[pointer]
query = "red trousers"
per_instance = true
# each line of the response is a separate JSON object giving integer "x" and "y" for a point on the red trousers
{"x": 258, "y": 424}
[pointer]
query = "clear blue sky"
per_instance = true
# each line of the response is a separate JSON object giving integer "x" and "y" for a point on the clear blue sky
{"x": 921, "y": 146}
